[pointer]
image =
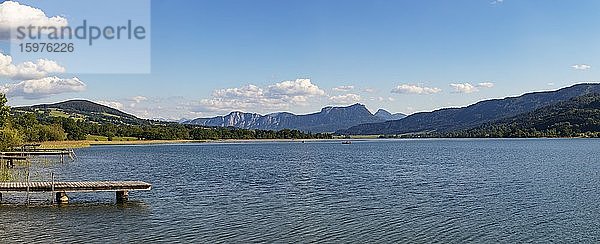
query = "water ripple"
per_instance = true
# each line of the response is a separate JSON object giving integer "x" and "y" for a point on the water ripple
{"x": 416, "y": 191}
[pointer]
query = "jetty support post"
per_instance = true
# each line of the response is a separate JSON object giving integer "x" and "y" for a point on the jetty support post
{"x": 52, "y": 188}
{"x": 122, "y": 196}
{"x": 28, "y": 180}
{"x": 61, "y": 197}
{"x": 72, "y": 154}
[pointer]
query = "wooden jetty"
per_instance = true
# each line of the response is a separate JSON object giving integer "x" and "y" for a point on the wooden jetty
{"x": 62, "y": 188}
{"x": 41, "y": 152}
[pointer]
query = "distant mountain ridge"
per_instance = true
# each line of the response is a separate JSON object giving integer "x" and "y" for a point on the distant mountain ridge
{"x": 451, "y": 119}
{"x": 329, "y": 119}
{"x": 381, "y": 113}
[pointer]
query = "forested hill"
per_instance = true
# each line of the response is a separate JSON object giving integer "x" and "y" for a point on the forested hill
{"x": 579, "y": 116}
{"x": 453, "y": 119}
{"x": 85, "y": 110}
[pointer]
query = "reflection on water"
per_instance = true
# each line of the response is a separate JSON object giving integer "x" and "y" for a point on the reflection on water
{"x": 74, "y": 222}
{"x": 37, "y": 169}
{"x": 384, "y": 191}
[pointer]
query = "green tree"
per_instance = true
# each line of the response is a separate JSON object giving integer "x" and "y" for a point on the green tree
{"x": 4, "y": 111}
{"x": 10, "y": 138}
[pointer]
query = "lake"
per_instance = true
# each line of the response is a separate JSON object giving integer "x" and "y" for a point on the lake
{"x": 419, "y": 191}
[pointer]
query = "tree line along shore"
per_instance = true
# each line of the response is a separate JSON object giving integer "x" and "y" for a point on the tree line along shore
{"x": 19, "y": 127}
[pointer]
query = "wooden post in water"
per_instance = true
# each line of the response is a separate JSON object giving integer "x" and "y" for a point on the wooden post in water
{"x": 28, "y": 175}
{"x": 52, "y": 194}
{"x": 122, "y": 196}
{"x": 62, "y": 198}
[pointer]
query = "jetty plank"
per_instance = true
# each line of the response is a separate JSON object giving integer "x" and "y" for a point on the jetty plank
{"x": 76, "y": 186}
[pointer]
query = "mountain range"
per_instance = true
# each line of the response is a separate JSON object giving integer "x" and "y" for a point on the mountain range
{"x": 454, "y": 119}
{"x": 531, "y": 112}
{"x": 329, "y": 119}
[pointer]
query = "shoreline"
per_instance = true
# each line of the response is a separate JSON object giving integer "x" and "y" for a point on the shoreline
{"x": 88, "y": 143}
{"x": 84, "y": 144}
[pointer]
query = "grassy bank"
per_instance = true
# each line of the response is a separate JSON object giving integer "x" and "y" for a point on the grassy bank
{"x": 88, "y": 143}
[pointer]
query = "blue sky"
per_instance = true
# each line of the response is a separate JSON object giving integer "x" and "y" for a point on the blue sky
{"x": 206, "y": 54}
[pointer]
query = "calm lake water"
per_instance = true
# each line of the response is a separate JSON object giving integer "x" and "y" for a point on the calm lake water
{"x": 536, "y": 190}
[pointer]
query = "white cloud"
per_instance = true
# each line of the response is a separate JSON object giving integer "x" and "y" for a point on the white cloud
{"x": 139, "y": 99}
{"x": 136, "y": 100}
{"x": 464, "y": 88}
{"x": 485, "y": 85}
{"x": 163, "y": 108}
{"x": 382, "y": 99}
{"x": 248, "y": 91}
{"x": 497, "y": 2}
{"x": 470, "y": 88}
{"x": 280, "y": 95}
{"x": 415, "y": 89}
{"x": 14, "y": 14}
{"x": 345, "y": 99}
{"x": 227, "y": 105}
{"x": 38, "y": 88}
{"x": 299, "y": 87}
{"x": 581, "y": 67}
{"x": 343, "y": 88}
{"x": 28, "y": 70}
{"x": 369, "y": 90}
{"x": 33, "y": 77}
{"x": 112, "y": 104}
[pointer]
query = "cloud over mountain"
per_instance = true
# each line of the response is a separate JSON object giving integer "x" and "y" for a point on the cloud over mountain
{"x": 581, "y": 67}
{"x": 343, "y": 88}
{"x": 415, "y": 89}
{"x": 470, "y": 88}
{"x": 345, "y": 99}
{"x": 485, "y": 85}
{"x": 463, "y": 87}
{"x": 280, "y": 95}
